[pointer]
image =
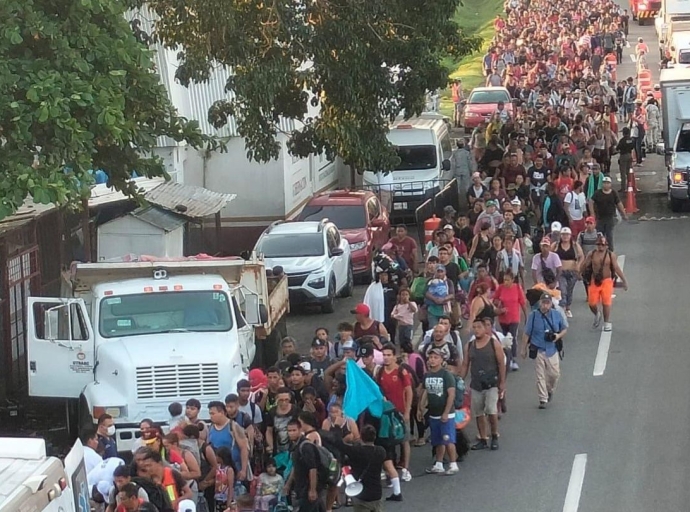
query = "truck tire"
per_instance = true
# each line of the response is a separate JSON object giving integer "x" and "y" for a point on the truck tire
{"x": 328, "y": 306}
{"x": 676, "y": 205}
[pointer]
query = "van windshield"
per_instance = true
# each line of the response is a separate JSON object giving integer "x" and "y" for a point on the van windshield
{"x": 160, "y": 312}
{"x": 416, "y": 157}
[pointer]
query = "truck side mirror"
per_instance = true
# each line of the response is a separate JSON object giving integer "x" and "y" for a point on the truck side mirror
{"x": 263, "y": 313}
{"x": 252, "y": 309}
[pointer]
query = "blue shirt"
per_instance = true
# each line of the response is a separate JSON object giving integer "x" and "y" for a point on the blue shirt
{"x": 224, "y": 437}
{"x": 537, "y": 326}
{"x": 107, "y": 446}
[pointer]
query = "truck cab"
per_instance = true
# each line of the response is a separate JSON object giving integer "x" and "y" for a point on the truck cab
{"x": 129, "y": 338}
{"x": 33, "y": 481}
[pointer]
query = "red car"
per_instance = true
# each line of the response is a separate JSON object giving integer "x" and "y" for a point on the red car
{"x": 483, "y": 103}
{"x": 360, "y": 217}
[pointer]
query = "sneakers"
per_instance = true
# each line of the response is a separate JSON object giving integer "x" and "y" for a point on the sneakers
{"x": 494, "y": 442}
{"x": 542, "y": 405}
{"x": 395, "y": 497}
{"x": 568, "y": 313}
{"x": 514, "y": 366}
{"x": 608, "y": 327}
{"x": 452, "y": 469}
{"x": 436, "y": 469}
{"x": 480, "y": 445}
{"x": 597, "y": 320}
{"x": 550, "y": 396}
{"x": 405, "y": 475}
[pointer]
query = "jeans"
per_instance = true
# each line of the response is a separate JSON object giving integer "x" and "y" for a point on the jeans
{"x": 606, "y": 226}
{"x": 624, "y": 165}
{"x": 567, "y": 285}
{"x": 638, "y": 145}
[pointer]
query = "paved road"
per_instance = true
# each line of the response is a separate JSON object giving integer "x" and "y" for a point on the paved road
{"x": 611, "y": 442}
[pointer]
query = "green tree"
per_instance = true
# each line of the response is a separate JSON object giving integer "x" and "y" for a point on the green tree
{"x": 77, "y": 92}
{"x": 361, "y": 61}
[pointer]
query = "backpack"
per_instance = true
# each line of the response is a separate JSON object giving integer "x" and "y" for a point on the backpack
{"x": 204, "y": 464}
{"x": 156, "y": 494}
{"x": 392, "y": 427}
{"x": 329, "y": 467}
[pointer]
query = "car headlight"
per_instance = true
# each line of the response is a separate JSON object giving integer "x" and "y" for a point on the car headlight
{"x": 358, "y": 246}
{"x": 317, "y": 282}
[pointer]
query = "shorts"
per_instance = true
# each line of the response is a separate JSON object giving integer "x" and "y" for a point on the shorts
{"x": 442, "y": 434}
{"x": 628, "y": 108}
{"x": 602, "y": 292}
{"x": 484, "y": 403}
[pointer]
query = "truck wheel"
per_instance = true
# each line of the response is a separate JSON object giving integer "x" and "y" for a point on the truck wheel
{"x": 350, "y": 284}
{"x": 328, "y": 306}
{"x": 676, "y": 205}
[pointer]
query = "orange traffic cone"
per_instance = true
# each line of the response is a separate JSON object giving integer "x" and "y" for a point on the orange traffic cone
{"x": 632, "y": 180}
{"x": 631, "y": 202}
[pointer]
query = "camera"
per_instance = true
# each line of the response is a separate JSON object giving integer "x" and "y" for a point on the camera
{"x": 549, "y": 336}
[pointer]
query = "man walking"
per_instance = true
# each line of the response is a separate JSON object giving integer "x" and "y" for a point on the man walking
{"x": 602, "y": 265}
{"x": 439, "y": 394}
{"x": 485, "y": 361}
{"x": 543, "y": 330}
{"x": 603, "y": 205}
{"x": 462, "y": 165}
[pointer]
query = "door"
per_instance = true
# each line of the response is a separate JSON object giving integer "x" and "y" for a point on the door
{"x": 61, "y": 347}
{"x": 339, "y": 262}
{"x": 245, "y": 331}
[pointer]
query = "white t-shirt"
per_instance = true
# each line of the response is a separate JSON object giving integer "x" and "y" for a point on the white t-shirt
{"x": 576, "y": 204}
{"x": 91, "y": 459}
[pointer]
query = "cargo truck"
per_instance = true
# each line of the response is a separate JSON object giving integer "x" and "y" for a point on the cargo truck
{"x": 675, "y": 111}
{"x": 671, "y": 10}
{"x": 128, "y": 338}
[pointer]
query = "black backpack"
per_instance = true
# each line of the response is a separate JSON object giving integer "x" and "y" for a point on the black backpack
{"x": 157, "y": 495}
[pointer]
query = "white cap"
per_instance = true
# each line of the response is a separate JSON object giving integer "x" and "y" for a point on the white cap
{"x": 516, "y": 202}
{"x": 186, "y": 506}
{"x": 556, "y": 226}
{"x": 566, "y": 231}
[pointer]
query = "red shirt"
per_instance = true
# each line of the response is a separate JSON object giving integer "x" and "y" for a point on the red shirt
{"x": 393, "y": 388}
{"x": 513, "y": 299}
{"x": 405, "y": 248}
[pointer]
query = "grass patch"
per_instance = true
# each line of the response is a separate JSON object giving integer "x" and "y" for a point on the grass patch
{"x": 474, "y": 18}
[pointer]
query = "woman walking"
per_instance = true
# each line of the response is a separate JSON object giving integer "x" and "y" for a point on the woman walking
{"x": 510, "y": 297}
{"x": 571, "y": 255}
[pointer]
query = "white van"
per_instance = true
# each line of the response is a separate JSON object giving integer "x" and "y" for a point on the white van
{"x": 680, "y": 43}
{"x": 424, "y": 147}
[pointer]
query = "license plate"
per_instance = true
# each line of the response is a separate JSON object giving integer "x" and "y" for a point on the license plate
{"x": 400, "y": 206}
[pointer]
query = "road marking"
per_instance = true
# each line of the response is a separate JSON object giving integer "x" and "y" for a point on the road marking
{"x": 577, "y": 478}
{"x": 633, "y": 58}
{"x": 605, "y": 339}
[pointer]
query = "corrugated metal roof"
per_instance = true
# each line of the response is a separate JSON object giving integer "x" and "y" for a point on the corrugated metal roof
{"x": 198, "y": 202}
{"x": 200, "y": 97}
{"x": 102, "y": 194}
{"x": 163, "y": 219}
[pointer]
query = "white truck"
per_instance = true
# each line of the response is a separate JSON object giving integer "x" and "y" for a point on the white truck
{"x": 674, "y": 35}
{"x": 32, "y": 481}
{"x": 671, "y": 10}
{"x": 129, "y": 338}
{"x": 675, "y": 111}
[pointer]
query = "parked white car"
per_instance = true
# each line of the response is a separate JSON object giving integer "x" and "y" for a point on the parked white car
{"x": 315, "y": 257}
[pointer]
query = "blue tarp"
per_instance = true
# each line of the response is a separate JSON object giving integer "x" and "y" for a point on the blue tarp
{"x": 362, "y": 393}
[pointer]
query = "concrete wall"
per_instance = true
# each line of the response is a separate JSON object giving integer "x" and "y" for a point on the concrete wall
{"x": 130, "y": 235}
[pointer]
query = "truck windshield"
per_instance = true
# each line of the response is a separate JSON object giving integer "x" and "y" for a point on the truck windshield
{"x": 684, "y": 57}
{"x": 154, "y": 313}
{"x": 416, "y": 158}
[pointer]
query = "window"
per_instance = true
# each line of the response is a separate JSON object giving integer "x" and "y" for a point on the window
{"x": 416, "y": 158}
{"x": 684, "y": 57}
{"x": 374, "y": 208}
{"x": 291, "y": 245}
{"x": 446, "y": 147}
{"x": 345, "y": 217}
{"x": 156, "y": 313}
{"x": 59, "y": 322}
{"x": 488, "y": 97}
{"x": 331, "y": 239}
{"x": 683, "y": 144}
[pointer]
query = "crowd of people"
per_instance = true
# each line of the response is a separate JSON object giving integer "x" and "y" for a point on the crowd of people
{"x": 442, "y": 326}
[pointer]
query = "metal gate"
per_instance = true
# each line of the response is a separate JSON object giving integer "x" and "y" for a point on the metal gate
{"x": 23, "y": 279}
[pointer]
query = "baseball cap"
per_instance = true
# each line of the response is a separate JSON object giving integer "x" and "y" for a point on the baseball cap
{"x": 316, "y": 342}
{"x": 545, "y": 296}
{"x": 590, "y": 220}
{"x": 545, "y": 241}
{"x": 607, "y": 179}
{"x": 440, "y": 267}
{"x": 297, "y": 368}
{"x": 361, "y": 309}
{"x": 436, "y": 351}
{"x": 448, "y": 226}
{"x": 366, "y": 351}
{"x": 348, "y": 345}
{"x": 556, "y": 226}
{"x": 566, "y": 231}
{"x": 516, "y": 202}
{"x": 491, "y": 202}
{"x": 306, "y": 366}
